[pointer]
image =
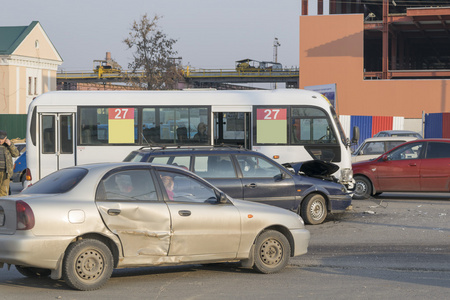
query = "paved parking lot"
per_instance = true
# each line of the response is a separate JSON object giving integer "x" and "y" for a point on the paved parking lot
{"x": 393, "y": 246}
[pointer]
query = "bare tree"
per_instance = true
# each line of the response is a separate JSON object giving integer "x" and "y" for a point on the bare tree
{"x": 154, "y": 66}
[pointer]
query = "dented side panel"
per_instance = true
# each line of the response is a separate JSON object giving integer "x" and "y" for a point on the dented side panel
{"x": 143, "y": 227}
{"x": 208, "y": 229}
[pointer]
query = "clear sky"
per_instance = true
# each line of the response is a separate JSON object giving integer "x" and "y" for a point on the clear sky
{"x": 210, "y": 34}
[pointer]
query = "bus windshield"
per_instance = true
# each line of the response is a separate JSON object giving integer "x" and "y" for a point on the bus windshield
{"x": 339, "y": 126}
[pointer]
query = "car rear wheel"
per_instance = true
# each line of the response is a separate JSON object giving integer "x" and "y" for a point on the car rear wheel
{"x": 272, "y": 251}
{"x": 88, "y": 264}
{"x": 363, "y": 188}
{"x": 314, "y": 209}
{"x": 33, "y": 272}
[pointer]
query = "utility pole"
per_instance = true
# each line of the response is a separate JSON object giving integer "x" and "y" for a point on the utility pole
{"x": 276, "y": 44}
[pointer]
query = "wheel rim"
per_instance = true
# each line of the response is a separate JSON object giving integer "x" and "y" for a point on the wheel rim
{"x": 360, "y": 188}
{"x": 89, "y": 265}
{"x": 317, "y": 209}
{"x": 271, "y": 252}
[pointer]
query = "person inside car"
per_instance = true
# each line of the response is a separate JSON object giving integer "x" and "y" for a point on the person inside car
{"x": 168, "y": 184}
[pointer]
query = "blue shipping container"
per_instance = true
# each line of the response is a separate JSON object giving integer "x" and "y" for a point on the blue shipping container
{"x": 365, "y": 127}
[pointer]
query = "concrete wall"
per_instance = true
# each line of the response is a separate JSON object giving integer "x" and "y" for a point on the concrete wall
{"x": 331, "y": 51}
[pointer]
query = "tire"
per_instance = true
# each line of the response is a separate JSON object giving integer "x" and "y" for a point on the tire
{"x": 363, "y": 188}
{"x": 314, "y": 209}
{"x": 88, "y": 264}
{"x": 272, "y": 252}
{"x": 33, "y": 272}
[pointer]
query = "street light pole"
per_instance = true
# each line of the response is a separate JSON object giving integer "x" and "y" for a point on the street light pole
{"x": 276, "y": 44}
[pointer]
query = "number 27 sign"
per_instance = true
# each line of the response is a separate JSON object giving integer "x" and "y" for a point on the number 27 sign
{"x": 121, "y": 125}
{"x": 271, "y": 114}
{"x": 271, "y": 125}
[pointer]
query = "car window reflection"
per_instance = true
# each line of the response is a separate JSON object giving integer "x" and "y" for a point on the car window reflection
{"x": 180, "y": 187}
{"x": 127, "y": 185}
{"x": 410, "y": 151}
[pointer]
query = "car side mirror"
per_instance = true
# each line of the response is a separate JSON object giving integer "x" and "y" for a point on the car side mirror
{"x": 384, "y": 157}
{"x": 280, "y": 176}
{"x": 223, "y": 198}
{"x": 355, "y": 137}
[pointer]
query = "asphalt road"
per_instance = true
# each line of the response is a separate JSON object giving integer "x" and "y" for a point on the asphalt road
{"x": 394, "y": 246}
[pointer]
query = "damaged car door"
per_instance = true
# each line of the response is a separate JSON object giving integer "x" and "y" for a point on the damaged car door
{"x": 203, "y": 227}
{"x": 128, "y": 202}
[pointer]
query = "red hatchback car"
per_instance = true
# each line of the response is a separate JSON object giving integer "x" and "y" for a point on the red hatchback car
{"x": 416, "y": 166}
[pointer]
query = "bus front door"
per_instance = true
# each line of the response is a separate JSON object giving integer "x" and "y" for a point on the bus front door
{"x": 232, "y": 128}
{"x": 57, "y": 142}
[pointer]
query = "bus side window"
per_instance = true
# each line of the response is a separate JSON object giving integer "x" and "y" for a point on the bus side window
{"x": 49, "y": 140}
{"x": 86, "y": 135}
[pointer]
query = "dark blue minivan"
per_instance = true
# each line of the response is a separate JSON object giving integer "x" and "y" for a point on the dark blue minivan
{"x": 249, "y": 175}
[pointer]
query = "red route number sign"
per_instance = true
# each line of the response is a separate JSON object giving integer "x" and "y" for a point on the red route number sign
{"x": 271, "y": 114}
{"x": 271, "y": 125}
{"x": 120, "y": 113}
{"x": 121, "y": 125}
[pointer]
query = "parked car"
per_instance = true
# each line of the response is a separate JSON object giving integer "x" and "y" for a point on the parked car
{"x": 20, "y": 168}
{"x": 21, "y": 147}
{"x": 373, "y": 147}
{"x": 385, "y": 133}
{"x": 415, "y": 166}
{"x": 249, "y": 175}
{"x": 81, "y": 222}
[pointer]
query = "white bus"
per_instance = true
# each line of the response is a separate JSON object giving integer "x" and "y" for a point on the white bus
{"x": 68, "y": 128}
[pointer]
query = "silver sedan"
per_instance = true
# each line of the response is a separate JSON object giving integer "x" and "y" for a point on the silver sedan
{"x": 80, "y": 223}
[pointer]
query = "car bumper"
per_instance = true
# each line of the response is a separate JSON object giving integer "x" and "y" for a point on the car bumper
{"x": 340, "y": 203}
{"x": 32, "y": 251}
{"x": 301, "y": 240}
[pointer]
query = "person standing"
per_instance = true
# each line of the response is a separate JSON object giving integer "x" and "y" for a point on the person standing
{"x": 7, "y": 152}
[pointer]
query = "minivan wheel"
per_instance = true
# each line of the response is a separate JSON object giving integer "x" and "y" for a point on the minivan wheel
{"x": 88, "y": 264}
{"x": 363, "y": 188}
{"x": 314, "y": 209}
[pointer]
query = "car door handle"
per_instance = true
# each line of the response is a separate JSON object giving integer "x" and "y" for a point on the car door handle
{"x": 184, "y": 213}
{"x": 251, "y": 185}
{"x": 412, "y": 164}
{"x": 113, "y": 212}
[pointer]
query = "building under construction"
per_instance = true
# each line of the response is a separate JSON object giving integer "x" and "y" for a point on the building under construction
{"x": 386, "y": 57}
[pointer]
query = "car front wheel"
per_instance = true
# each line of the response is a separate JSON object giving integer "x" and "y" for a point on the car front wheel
{"x": 88, "y": 264}
{"x": 272, "y": 251}
{"x": 363, "y": 188}
{"x": 314, "y": 209}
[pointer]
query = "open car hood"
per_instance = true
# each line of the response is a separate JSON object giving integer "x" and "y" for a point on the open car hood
{"x": 313, "y": 168}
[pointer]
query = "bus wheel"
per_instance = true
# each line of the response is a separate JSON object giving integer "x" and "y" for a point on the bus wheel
{"x": 314, "y": 209}
{"x": 363, "y": 188}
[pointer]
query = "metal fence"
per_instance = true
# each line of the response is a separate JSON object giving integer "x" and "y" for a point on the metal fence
{"x": 15, "y": 125}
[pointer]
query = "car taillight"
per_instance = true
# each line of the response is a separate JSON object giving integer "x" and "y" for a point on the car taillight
{"x": 25, "y": 216}
{"x": 28, "y": 175}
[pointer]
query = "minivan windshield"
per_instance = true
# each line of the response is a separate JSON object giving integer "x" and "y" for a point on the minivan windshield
{"x": 57, "y": 182}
